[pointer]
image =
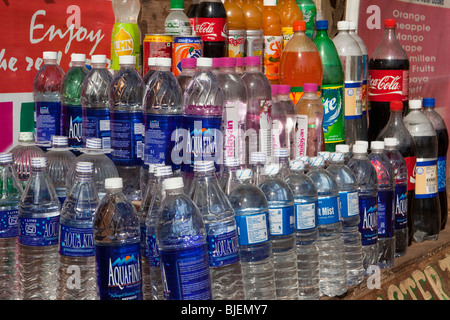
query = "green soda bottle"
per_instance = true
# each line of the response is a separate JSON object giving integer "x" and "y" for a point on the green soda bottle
{"x": 332, "y": 88}
{"x": 309, "y": 15}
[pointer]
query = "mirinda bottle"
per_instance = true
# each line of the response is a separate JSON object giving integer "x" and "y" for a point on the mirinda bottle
{"x": 300, "y": 62}
{"x": 273, "y": 40}
{"x": 289, "y": 13}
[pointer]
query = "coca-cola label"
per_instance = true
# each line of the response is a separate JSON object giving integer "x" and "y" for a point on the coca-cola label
{"x": 388, "y": 85}
{"x": 211, "y": 29}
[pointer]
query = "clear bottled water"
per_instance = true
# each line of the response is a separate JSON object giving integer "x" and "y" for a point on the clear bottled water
{"x": 229, "y": 179}
{"x": 255, "y": 248}
{"x": 401, "y": 195}
{"x": 330, "y": 243}
{"x": 60, "y": 159}
{"x": 281, "y": 157}
{"x": 117, "y": 245}
{"x": 39, "y": 213}
{"x": 257, "y": 163}
{"x": 76, "y": 238}
{"x": 349, "y": 208}
{"x": 181, "y": 240}
{"x": 221, "y": 233}
{"x": 326, "y": 155}
{"x": 345, "y": 150}
{"x": 94, "y": 98}
{"x": 289, "y": 107}
{"x": 188, "y": 69}
{"x": 280, "y": 201}
{"x": 306, "y": 232}
{"x": 11, "y": 191}
{"x": 306, "y": 162}
{"x": 367, "y": 179}
{"x": 386, "y": 207}
{"x": 279, "y": 120}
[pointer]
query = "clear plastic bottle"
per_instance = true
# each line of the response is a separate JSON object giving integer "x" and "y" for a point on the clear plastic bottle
{"x": 257, "y": 162}
{"x": 345, "y": 150}
{"x": 76, "y": 238}
{"x": 229, "y": 180}
{"x": 234, "y": 110}
{"x": 11, "y": 190}
{"x": 255, "y": 248}
{"x": 47, "y": 86}
{"x": 95, "y": 102}
{"x": 117, "y": 245}
{"x": 220, "y": 226}
{"x": 306, "y": 233}
{"x": 401, "y": 196}
{"x": 127, "y": 125}
{"x": 39, "y": 214}
{"x": 182, "y": 241}
{"x": 330, "y": 243}
{"x": 279, "y": 120}
{"x": 349, "y": 208}
{"x": 281, "y": 157}
{"x": 22, "y": 154}
{"x": 280, "y": 201}
{"x": 289, "y": 108}
{"x": 177, "y": 22}
{"x": 367, "y": 179}
{"x": 188, "y": 69}
{"x": 60, "y": 159}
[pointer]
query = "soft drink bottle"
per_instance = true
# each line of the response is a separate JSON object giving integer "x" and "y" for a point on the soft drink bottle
{"x": 95, "y": 102}
{"x": 76, "y": 238}
{"x": 280, "y": 200}
{"x": 117, "y": 245}
{"x": 309, "y": 106}
{"x": 330, "y": 243}
{"x": 309, "y": 11}
{"x": 235, "y": 110}
{"x": 401, "y": 195}
{"x": 442, "y": 136}
{"x": 395, "y": 128}
{"x": 125, "y": 37}
{"x": 177, "y": 22}
{"x": 188, "y": 69}
{"x": 279, "y": 120}
{"x": 252, "y": 15}
{"x": 254, "y": 38}
{"x": 39, "y": 214}
{"x": 211, "y": 25}
{"x": 259, "y": 107}
{"x": 192, "y": 15}
{"x": 60, "y": 159}
{"x": 72, "y": 113}
{"x": 11, "y": 191}
{"x": 426, "y": 208}
{"x": 229, "y": 180}
{"x": 255, "y": 248}
{"x": 220, "y": 225}
{"x": 305, "y": 224}
{"x": 351, "y": 60}
{"x": 273, "y": 41}
{"x": 47, "y": 86}
{"x": 388, "y": 79}
{"x": 289, "y": 13}
{"x": 127, "y": 128}
{"x": 332, "y": 88}
{"x": 236, "y": 29}
{"x": 181, "y": 239}
{"x": 386, "y": 209}
{"x": 289, "y": 108}
{"x": 259, "y": 4}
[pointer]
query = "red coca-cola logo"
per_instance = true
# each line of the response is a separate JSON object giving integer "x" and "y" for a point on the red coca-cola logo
{"x": 211, "y": 29}
{"x": 388, "y": 85}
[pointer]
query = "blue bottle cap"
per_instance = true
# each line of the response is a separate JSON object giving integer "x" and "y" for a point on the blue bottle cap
{"x": 428, "y": 102}
{"x": 322, "y": 24}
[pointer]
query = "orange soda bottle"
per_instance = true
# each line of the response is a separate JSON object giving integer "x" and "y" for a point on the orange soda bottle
{"x": 240, "y": 3}
{"x": 259, "y": 4}
{"x": 300, "y": 62}
{"x": 280, "y": 3}
{"x": 236, "y": 28}
{"x": 252, "y": 15}
{"x": 289, "y": 13}
{"x": 273, "y": 40}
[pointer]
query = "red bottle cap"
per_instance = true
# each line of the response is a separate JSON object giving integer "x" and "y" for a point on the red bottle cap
{"x": 396, "y": 105}
{"x": 390, "y": 23}
{"x": 299, "y": 26}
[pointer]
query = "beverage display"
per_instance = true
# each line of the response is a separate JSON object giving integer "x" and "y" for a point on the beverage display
{"x": 177, "y": 22}
{"x": 309, "y": 11}
{"x": 211, "y": 25}
{"x": 289, "y": 13}
{"x": 236, "y": 29}
{"x": 273, "y": 41}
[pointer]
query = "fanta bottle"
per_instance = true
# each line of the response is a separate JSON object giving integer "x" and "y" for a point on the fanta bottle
{"x": 289, "y": 13}
{"x": 252, "y": 15}
{"x": 300, "y": 62}
{"x": 273, "y": 40}
{"x": 236, "y": 28}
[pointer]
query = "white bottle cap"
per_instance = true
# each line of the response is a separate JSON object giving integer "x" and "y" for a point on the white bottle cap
{"x": 390, "y": 142}
{"x": 324, "y": 154}
{"x": 316, "y": 161}
{"x": 26, "y": 136}
{"x": 85, "y": 167}
{"x": 244, "y": 174}
{"x": 50, "y": 55}
{"x": 204, "y": 62}
{"x": 173, "y": 183}
{"x": 98, "y": 58}
{"x": 270, "y": 2}
{"x": 359, "y": 148}
{"x": 94, "y": 143}
{"x": 352, "y": 25}
{"x": 337, "y": 157}
{"x": 6, "y": 157}
{"x": 363, "y": 142}
{"x": 152, "y": 167}
{"x": 296, "y": 165}
{"x": 163, "y": 171}
{"x": 280, "y": 152}
{"x": 163, "y": 62}
{"x": 61, "y": 141}
{"x": 231, "y": 162}
{"x": 344, "y": 148}
{"x": 415, "y": 104}
{"x": 272, "y": 169}
{"x": 343, "y": 25}
{"x": 151, "y": 61}
{"x": 305, "y": 159}
{"x": 377, "y": 145}
{"x": 39, "y": 162}
{"x": 127, "y": 60}
{"x": 78, "y": 57}
{"x": 203, "y": 166}
{"x": 113, "y": 183}
{"x": 258, "y": 157}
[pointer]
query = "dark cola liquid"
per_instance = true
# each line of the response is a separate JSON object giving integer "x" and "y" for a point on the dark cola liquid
{"x": 442, "y": 136}
{"x": 379, "y": 111}
{"x": 213, "y": 49}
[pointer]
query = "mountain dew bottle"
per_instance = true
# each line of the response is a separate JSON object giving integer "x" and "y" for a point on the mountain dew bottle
{"x": 332, "y": 88}
{"x": 309, "y": 11}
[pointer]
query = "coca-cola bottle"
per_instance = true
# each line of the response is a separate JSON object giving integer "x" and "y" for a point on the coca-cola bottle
{"x": 211, "y": 25}
{"x": 192, "y": 14}
{"x": 388, "y": 79}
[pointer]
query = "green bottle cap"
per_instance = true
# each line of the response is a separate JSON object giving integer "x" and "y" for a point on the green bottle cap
{"x": 176, "y": 4}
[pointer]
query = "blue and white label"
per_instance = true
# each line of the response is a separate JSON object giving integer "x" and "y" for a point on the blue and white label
{"x": 76, "y": 242}
{"x": 401, "y": 206}
{"x": 385, "y": 213}
{"x": 97, "y": 124}
{"x": 39, "y": 232}
{"x": 253, "y": 229}
{"x": 442, "y": 173}
{"x": 152, "y": 251}
{"x": 328, "y": 210}
{"x": 281, "y": 220}
{"x": 368, "y": 224}
{"x": 48, "y": 120}
{"x": 305, "y": 216}
{"x": 9, "y": 222}
{"x": 223, "y": 249}
{"x": 349, "y": 202}
{"x": 73, "y": 125}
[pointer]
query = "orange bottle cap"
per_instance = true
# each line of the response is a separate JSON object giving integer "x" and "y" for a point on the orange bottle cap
{"x": 299, "y": 26}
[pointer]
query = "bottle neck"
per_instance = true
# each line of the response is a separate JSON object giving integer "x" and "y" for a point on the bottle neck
{"x": 389, "y": 34}
{"x": 84, "y": 176}
{"x": 99, "y": 66}
{"x": 50, "y": 61}
{"x": 77, "y": 64}
{"x": 252, "y": 68}
{"x": 227, "y": 69}
{"x": 173, "y": 192}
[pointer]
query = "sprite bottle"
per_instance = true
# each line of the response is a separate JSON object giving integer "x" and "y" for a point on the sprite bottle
{"x": 309, "y": 11}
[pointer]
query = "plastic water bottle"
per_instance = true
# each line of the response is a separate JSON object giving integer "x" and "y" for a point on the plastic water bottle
{"x": 117, "y": 245}
{"x": 104, "y": 168}
{"x": 60, "y": 159}
{"x": 39, "y": 213}
{"x": 259, "y": 118}
{"x": 349, "y": 208}
{"x": 161, "y": 173}
{"x": 255, "y": 248}
{"x": 367, "y": 179}
{"x": 127, "y": 125}
{"x": 280, "y": 200}
{"x": 47, "y": 86}
{"x": 386, "y": 209}
{"x": 177, "y": 22}
{"x": 330, "y": 243}
{"x": 201, "y": 121}
{"x": 306, "y": 232}
{"x": 400, "y": 197}
{"x": 234, "y": 109}
{"x": 289, "y": 108}
{"x": 181, "y": 240}
{"x": 306, "y": 161}
{"x": 345, "y": 150}
{"x": 279, "y": 120}
{"x": 188, "y": 69}
{"x": 220, "y": 226}
{"x": 76, "y": 238}
{"x": 281, "y": 157}
{"x": 22, "y": 153}
{"x": 229, "y": 179}
{"x": 11, "y": 191}
{"x": 257, "y": 164}
{"x": 326, "y": 155}
{"x": 72, "y": 112}
{"x": 95, "y": 102}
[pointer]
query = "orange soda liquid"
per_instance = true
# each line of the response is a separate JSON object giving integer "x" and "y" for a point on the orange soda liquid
{"x": 252, "y": 15}
{"x": 273, "y": 41}
{"x": 289, "y": 13}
